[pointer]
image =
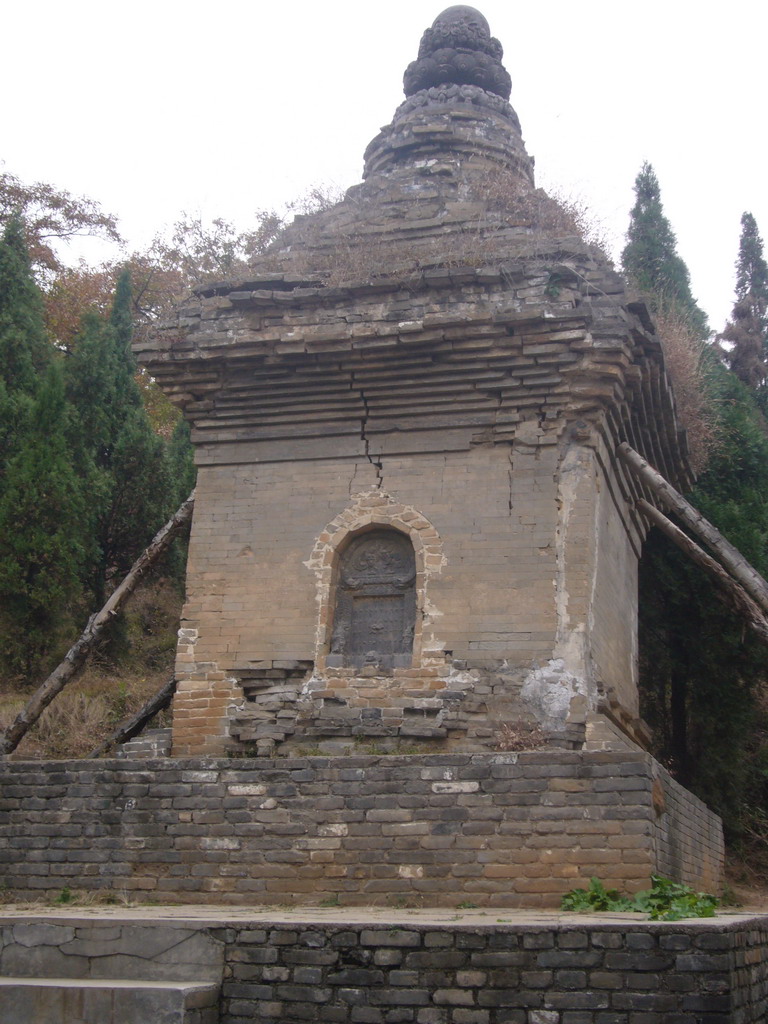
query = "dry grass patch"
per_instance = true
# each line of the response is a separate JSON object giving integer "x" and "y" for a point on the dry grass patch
{"x": 84, "y": 714}
{"x": 360, "y": 238}
{"x": 683, "y": 359}
{"x": 113, "y": 686}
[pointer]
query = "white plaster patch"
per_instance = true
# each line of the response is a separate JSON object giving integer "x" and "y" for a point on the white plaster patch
{"x": 461, "y": 679}
{"x": 438, "y": 773}
{"x": 219, "y": 844}
{"x": 410, "y": 871}
{"x": 333, "y": 830}
{"x": 572, "y": 636}
{"x": 506, "y": 758}
{"x": 549, "y": 690}
{"x": 313, "y": 683}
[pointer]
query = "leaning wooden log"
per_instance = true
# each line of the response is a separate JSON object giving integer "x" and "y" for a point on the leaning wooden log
{"x": 77, "y": 655}
{"x": 729, "y": 591}
{"x": 134, "y": 725}
{"x": 731, "y": 558}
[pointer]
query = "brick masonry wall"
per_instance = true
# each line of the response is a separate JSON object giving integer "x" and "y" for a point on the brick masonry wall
{"x": 507, "y": 572}
{"x": 613, "y": 647}
{"x": 411, "y": 966}
{"x": 678, "y": 830}
{"x": 506, "y": 830}
{"x": 493, "y": 598}
{"x": 627, "y": 973}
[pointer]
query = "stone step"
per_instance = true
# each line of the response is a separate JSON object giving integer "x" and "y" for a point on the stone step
{"x": 151, "y": 743}
{"x": 81, "y": 946}
{"x": 107, "y": 1001}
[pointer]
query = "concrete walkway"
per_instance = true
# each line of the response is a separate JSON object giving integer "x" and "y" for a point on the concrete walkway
{"x": 211, "y": 916}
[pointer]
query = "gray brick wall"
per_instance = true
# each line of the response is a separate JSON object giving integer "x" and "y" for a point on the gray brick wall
{"x": 410, "y": 967}
{"x": 497, "y": 829}
{"x": 628, "y": 973}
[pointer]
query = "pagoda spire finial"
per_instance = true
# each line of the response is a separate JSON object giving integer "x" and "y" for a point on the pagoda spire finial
{"x": 458, "y": 49}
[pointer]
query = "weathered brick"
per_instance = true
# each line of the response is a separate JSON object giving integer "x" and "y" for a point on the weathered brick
{"x": 303, "y": 993}
{"x": 453, "y": 997}
{"x": 390, "y": 937}
{"x": 400, "y": 997}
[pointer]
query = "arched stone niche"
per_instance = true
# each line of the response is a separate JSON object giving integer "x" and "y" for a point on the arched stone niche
{"x": 374, "y": 605}
{"x": 375, "y": 535}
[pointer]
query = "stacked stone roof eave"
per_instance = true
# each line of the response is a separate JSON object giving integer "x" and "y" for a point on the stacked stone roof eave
{"x": 445, "y": 292}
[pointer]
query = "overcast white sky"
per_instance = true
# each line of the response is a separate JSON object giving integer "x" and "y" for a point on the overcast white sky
{"x": 156, "y": 106}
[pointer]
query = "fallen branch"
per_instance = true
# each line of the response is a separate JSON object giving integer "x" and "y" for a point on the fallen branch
{"x": 729, "y": 590}
{"x": 77, "y": 655}
{"x": 134, "y": 725}
{"x": 731, "y": 558}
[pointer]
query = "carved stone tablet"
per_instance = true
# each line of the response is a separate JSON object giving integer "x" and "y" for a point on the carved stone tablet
{"x": 375, "y": 602}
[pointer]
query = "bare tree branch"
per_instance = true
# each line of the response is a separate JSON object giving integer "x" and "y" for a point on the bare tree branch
{"x": 731, "y": 558}
{"x": 76, "y": 656}
{"x": 729, "y": 590}
{"x": 134, "y": 725}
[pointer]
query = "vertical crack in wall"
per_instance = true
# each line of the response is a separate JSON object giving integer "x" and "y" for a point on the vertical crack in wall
{"x": 564, "y": 488}
{"x": 511, "y": 476}
{"x": 376, "y": 463}
{"x": 353, "y": 478}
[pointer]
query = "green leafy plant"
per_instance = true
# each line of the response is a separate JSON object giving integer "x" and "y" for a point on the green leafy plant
{"x": 671, "y": 901}
{"x": 664, "y": 901}
{"x": 596, "y": 897}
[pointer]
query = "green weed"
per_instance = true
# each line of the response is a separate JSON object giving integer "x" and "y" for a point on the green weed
{"x": 664, "y": 901}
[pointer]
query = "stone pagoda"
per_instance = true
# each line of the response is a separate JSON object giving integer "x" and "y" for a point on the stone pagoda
{"x": 411, "y": 531}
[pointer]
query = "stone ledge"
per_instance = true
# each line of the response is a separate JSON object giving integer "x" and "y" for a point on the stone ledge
{"x": 107, "y": 1001}
{"x": 325, "y": 964}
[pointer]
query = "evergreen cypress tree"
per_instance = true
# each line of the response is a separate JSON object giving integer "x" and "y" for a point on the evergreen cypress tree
{"x": 24, "y": 348}
{"x": 101, "y": 375}
{"x": 59, "y": 553}
{"x": 747, "y": 330}
{"x": 181, "y": 462}
{"x": 41, "y": 507}
{"x": 650, "y": 258}
{"x": 118, "y": 450}
{"x": 121, "y": 320}
{"x": 142, "y": 495}
{"x": 42, "y": 510}
{"x": 92, "y": 395}
{"x": 181, "y": 466}
{"x": 698, "y": 671}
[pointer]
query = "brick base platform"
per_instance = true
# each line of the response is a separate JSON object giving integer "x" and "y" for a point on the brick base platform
{"x": 415, "y": 967}
{"x": 507, "y": 829}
